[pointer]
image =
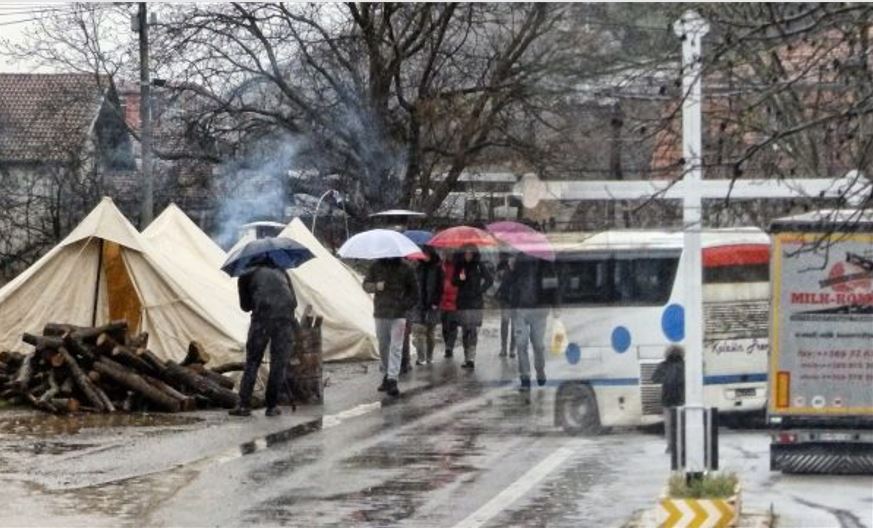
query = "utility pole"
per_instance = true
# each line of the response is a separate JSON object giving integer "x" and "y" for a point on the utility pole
{"x": 145, "y": 116}
{"x": 691, "y": 28}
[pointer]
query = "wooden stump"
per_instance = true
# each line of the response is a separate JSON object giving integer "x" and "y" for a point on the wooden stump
{"x": 303, "y": 374}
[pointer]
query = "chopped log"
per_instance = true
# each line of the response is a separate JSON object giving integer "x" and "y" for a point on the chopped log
{"x": 152, "y": 360}
{"x": 135, "y": 382}
{"x": 105, "y": 343}
{"x": 187, "y": 403}
{"x": 116, "y": 329}
{"x": 25, "y": 373}
{"x": 42, "y": 341}
{"x": 94, "y": 376}
{"x": 55, "y": 359}
{"x": 78, "y": 347}
{"x": 197, "y": 355}
{"x": 39, "y": 404}
{"x": 70, "y": 405}
{"x": 214, "y": 377}
{"x": 217, "y": 394}
{"x": 95, "y": 396}
{"x": 59, "y": 329}
{"x": 140, "y": 340}
{"x": 3, "y": 366}
{"x": 53, "y": 390}
{"x": 229, "y": 367}
{"x": 12, "y": 359}
{"x": 126, "y": 356}
{"x": 67, "y": 386}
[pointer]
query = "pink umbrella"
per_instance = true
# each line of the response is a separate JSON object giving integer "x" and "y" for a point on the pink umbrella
{"x": 523, "y": 238}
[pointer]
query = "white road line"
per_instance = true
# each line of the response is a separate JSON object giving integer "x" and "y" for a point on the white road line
{"x": 517, "y": 489}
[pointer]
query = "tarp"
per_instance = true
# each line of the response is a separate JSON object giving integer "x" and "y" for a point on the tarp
{"x": 348, "y": 330}
{"x": 102, "y": 271}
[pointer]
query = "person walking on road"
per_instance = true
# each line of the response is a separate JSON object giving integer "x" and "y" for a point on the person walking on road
{"x": 430, "y": 284}
{"x": 507, "y": 330}
{"x": 395, "y": 292}
{"x": 530, "y": 316}
{"x": 472, "y": 279}
{"x": 266, "y": 292}
{"x": 449, "y": 306}
{"x": 670, "y": 373}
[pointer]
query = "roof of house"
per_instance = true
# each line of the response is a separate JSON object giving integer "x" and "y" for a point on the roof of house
{"x": 46, "y": 117}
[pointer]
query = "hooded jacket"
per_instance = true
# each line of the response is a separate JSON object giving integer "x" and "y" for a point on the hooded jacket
{"x": 449, "y": 294}
{"x": 401, "y": 289}
{"x": 671, "y": 375}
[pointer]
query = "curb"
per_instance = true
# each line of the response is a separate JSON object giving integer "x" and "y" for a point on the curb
{"x": 748, "y": 519}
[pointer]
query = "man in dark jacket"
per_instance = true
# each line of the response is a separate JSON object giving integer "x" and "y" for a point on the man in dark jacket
{"x": 426, "y": 312}
{"x": 530, "y": 304}
{"x": 671, "y": 375}
{"x": 395, "y": 292}
{"x": 472, "y": 279}
{"x": 266, "y": 292}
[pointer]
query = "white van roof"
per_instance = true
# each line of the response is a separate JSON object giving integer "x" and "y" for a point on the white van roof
{"x": 628, "y": 239}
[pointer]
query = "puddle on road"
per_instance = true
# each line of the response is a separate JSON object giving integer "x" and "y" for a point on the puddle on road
{"x": 42, "y": 424}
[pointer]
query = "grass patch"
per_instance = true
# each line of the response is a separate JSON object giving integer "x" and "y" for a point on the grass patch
{"x": 711, "y": 486}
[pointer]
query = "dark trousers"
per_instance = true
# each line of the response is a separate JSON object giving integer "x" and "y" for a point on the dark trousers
{"x": 450, "y": 324}
{"x": 279, "y": 334}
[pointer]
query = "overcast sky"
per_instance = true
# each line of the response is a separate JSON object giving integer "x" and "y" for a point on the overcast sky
{"x": 15, "y": 19}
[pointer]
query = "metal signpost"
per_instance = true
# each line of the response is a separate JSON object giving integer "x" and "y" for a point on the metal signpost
{"x": 691, "y": 189}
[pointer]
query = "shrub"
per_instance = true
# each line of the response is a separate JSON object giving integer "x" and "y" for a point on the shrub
{"x": 711, "y": 486}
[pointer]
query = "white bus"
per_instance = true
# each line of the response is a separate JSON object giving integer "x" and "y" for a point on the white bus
{"x": 621, "y": 306}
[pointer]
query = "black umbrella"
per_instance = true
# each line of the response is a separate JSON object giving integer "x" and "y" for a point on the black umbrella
{"x": 280, "y": 251}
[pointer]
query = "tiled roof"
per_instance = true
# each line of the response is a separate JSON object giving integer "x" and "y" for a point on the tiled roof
{"x": 46, "y": 117}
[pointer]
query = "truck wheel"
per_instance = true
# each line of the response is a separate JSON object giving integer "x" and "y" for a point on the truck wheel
{"x": 576, "y": 409}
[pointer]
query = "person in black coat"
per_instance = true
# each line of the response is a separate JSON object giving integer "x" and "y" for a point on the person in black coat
{"x": 507, "y": 330}
{"x": 426, "y": 313}
{"x": 670, "y": 373}
{"x": 266, "y": 292}
{"x": 473, "y": 279}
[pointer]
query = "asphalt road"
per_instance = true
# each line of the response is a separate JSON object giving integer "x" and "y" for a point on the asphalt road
{"x": 457, "y": 450}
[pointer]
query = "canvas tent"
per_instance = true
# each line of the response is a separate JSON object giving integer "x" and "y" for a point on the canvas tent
{"x": 106, "y": 270}
{"x": 349, "y": 331}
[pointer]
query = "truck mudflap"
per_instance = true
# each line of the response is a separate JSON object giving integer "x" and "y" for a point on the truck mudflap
{"x": 849, "y": 458}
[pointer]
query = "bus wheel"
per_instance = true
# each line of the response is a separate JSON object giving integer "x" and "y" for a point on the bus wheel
{"x": 577, "y": 410}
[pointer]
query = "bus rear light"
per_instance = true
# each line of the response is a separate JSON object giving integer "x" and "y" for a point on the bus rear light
{"x": 783, "y": 386}
{"x": 786, "y": 438}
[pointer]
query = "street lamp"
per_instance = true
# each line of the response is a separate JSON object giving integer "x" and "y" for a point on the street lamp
{"x": 338, "y": 198}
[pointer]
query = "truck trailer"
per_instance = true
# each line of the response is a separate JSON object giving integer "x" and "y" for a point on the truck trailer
{"x": 820, "y": 403}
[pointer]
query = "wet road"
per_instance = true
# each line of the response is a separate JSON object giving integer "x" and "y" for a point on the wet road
{"x": 458, "y": 450}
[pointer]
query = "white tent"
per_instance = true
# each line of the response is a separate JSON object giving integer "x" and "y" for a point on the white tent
{"x": 349, "y": 331}
{"x": 105, "y": 270}
{"x": 325, "y": 283}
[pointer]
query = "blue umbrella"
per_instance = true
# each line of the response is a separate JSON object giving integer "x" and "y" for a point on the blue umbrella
{"x": 419, "y": 237}
{"x": 279, "y": 251}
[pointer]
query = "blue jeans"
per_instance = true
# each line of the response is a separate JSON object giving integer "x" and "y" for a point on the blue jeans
{"x": 530, "y": 326}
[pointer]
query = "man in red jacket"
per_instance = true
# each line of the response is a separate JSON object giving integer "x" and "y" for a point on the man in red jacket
{"x": 449, "y": 307}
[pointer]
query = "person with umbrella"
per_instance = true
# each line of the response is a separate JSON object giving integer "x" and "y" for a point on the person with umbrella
{"x": 472, "y": 278}
{"x": 507, "y": 331}
{"x": 395, "y": 292}
{"x": 265, "y": 290}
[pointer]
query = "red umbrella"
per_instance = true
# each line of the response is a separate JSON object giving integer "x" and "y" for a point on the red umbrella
{"x": 455, "y": 237}
{"x": 523, "y": 238}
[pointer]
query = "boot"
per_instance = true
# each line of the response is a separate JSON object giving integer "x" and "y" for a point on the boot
{"x": 384, "y": 386}
{"x": 391, "y": 389}
{"x": 240, "y": 410}
{"x": 468, "y": 365}
{"x": 273, "y": 411}
{"x": 525, "y": 384}
{"x": 541, "y": 377}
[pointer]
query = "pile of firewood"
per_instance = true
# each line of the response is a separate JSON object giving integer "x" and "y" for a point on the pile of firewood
{"x": 104, "y": 369}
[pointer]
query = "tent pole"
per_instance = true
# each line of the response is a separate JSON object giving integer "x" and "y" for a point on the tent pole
{"x": 97, "y": 285}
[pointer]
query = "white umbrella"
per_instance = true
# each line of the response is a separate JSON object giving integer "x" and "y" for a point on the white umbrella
{"x": 397, "y": 212}
{"x": 377, "y": 244}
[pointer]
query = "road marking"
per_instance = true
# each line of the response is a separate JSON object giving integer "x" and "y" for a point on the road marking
{"x": 332, "y": 420}
{"x": 517, "y": 489}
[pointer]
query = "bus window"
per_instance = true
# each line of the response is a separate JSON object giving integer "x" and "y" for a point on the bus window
{"x": 741, "y": 273}
{"x": 585, "y": 281}
{"x": 644, "y": 280}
